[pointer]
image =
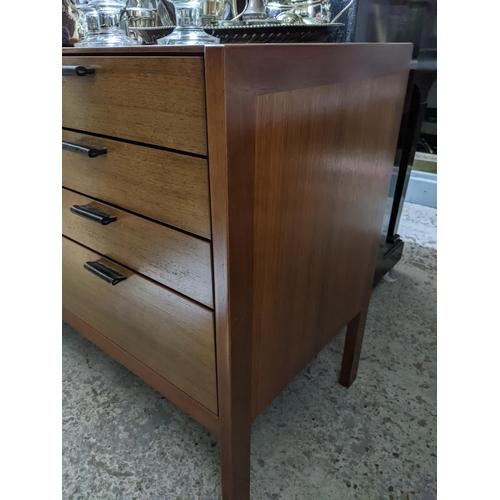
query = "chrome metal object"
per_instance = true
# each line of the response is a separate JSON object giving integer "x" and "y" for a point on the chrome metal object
{"x": 255, "y": 9}
{"x": 142, "y": 18}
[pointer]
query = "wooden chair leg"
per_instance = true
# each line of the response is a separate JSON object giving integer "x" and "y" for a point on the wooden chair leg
{"x": 352, "y": 348}
{"x": 235, "y": 462}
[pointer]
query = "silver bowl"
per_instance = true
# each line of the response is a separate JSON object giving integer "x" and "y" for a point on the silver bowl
{"x": 142, "y": 18}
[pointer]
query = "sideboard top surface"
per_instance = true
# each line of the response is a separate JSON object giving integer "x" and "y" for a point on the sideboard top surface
{"x": 197, "y": 50}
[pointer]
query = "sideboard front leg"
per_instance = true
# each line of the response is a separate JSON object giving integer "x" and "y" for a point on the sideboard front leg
{"x": 352, "y": 348}
{"x": 235, "y": 462}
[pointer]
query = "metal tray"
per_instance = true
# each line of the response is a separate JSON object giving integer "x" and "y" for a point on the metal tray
{"x": 276, "y": 33}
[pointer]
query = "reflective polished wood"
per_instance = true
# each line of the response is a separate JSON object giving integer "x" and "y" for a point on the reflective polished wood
{"x": 166, "y": 332}
{"x": 169, "y": 187}
{"x": 157, "y": 101}
{"x": 174, "y": 259}
{"x": 300, "y": 141}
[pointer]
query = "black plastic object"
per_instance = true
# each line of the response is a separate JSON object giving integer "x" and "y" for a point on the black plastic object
{"x": 104, "y": 272}
{"x": 93, "y": 214}
{"x": 83, "y": 150}
{"x": 77, "y": 71}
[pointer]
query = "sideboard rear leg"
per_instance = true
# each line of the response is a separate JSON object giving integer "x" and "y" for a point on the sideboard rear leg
{"x": 352, "y": 348}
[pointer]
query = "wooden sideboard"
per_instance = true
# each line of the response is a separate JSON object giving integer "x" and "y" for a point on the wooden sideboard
{"x": 222, "y": 208}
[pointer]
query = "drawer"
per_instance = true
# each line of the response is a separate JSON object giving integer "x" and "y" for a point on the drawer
{"x": 169, "y": 187}
{"x": 155, "y": 100}
{"x": 171, "y": 335}
{"x": 175, "y": 259}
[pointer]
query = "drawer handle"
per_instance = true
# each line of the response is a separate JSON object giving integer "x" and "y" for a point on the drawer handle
{"x": 93, "y": 214}
{"x": 83, "y": 150}
{"x": 104, "y": 272}
{"x": 77, "y": 71}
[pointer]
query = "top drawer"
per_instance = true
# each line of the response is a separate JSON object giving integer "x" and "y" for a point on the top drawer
{"x": 155, "y": 100}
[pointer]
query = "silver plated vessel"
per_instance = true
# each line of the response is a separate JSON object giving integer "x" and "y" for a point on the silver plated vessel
{"x": 317, "y": 11}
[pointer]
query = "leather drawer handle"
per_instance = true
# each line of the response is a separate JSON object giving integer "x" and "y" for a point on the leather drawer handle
{"x": 93, "y": 214}
{"x": 83, "y": 150}
{"x": 77, "y": 71}
{"x": 104, "y": 272}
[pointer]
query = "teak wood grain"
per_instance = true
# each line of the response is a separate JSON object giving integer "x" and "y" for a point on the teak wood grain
{"x": 172, "y": 258}
{"x": 322, "y": 171}
{"x": 232, "y": 211}
{"x": 158, "y": 101}
{"x": 169, "y": 187}
{"x": 169, "y": 334}
{"x": 301, "y": 142}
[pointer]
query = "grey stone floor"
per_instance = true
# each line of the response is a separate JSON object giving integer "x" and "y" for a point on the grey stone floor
{"x": 318, "y": 440}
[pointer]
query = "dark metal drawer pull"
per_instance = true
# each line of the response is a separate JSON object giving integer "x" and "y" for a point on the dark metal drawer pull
{"x": 77, "y": 71}
{"x": 83, "y": 150}
{"x": 93, "y": 214}
{"x": 104, "y": 272}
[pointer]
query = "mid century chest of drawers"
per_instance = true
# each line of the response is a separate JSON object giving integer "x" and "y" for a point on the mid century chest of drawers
{"x": 221, "y": 215}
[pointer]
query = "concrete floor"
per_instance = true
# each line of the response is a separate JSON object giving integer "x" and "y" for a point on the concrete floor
{"x": 318, "y": 440}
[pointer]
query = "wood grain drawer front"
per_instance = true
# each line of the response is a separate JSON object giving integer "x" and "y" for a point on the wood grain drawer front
{"x": 169, "y": 187}
{"x": 169, "y": 334}
{"x": 155, "y": 100}
{"x": 175, "y": 259}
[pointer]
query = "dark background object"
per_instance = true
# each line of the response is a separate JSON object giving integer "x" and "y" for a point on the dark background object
{"x": 401, "y": 21}
{"x": 348, "y": 18}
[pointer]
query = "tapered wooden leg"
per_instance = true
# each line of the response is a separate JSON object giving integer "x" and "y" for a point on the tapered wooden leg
{"x": 235, "y": 462}
{"x": 352, "y": 348}
{"x": 235, "y": 420}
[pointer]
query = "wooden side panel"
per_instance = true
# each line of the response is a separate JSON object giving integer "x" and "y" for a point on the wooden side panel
{"x": 169, "y": 334}
{"x": 174, "y": 259}
{"x": 323, "y": 164}
{"x": 292, "y": 156}
{"x": 155, "y": 100}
